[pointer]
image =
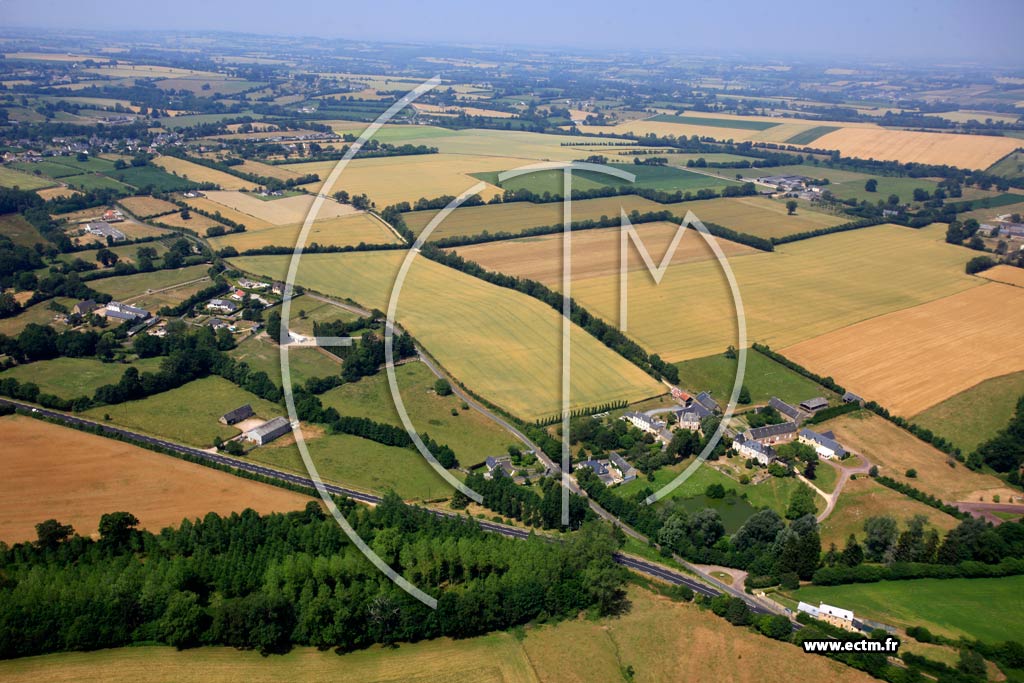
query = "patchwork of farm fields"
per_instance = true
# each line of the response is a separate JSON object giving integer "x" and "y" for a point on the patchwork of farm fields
{"x": 911, "y": 359}
{"x": 280, "y": 210}
{"x": 515, "y": 217}
{"x": 1010, "y": 275}
{"x": 863, "y": 140}
{"x": 202, "y": 174}
{"x": 664, "y": 178}
{"x": 144, "y": 207}
{"x": 389, "y": 180}
{"x": 52, "y": 472}
{"x": 502, "y": 344}
{"x": 895, "y": 451}
{"x": 800, "y": 291}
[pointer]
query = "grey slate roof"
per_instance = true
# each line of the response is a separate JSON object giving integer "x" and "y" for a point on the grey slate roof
{"x": 769, "y": 431}
{"x": 273, "y": 428}
{"x": 238, "y": 414}
{"x": 850, "y": 397}
{"x": 704, "y": 399}
{"x": 789, "y": 411}
{"x": 826, "y": 441}
{"x": 598, "y": 468}
{"x": 816, "y": 403}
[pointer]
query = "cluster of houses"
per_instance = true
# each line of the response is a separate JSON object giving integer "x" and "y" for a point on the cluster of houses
{"x": 611, "y": 470}
{"x": 1003, "y": 227}
{"x": 798, "y": 186}
{"x": 264, "y": 433}
{"x": 758, "y": 443}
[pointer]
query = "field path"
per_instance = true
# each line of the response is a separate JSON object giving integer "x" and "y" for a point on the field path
{"x": 844, "y": 476}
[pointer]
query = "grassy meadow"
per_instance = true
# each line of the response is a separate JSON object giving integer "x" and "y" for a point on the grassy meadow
{"x": 73, "y": 377}
{"x": 125, "y": 286}
{"x": 758, "y": 216}
{"x": 975, "y": 415}
{"x": 991, "y": 610}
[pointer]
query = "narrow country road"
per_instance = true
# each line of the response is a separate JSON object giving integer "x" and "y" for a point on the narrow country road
{"x": 844, "y": 476}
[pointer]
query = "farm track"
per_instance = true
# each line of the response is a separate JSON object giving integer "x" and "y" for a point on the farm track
{"x": 630, "y": 562}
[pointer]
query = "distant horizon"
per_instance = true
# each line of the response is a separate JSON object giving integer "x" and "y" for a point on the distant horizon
{"x": 942, "y": 32}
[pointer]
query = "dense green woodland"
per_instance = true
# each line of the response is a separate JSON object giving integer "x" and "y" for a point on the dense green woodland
{"x": 271, "y": 582}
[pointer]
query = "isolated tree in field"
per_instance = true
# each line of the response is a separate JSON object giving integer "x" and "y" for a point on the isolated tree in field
{"x": 744, "y": 397}
{"x": 791, "y": 207}
{"x": 442, "y": 387}
{"x": 802, "y": 503}
{"x": 186, "y": 214}
{"x": 871, "y": 185}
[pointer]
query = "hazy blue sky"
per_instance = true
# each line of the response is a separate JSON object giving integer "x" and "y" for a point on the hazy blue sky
{"x": 975, "y": 30}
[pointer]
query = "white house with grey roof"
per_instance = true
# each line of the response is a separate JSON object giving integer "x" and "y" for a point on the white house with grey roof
{"x": 644, "y": 423}
{"x": 753, "y": 450}
{"x": 268, "y": 431}
{"x": 626, "y": 471}
{"x": 824, "y": 444}
{"x": 772, "y": 434}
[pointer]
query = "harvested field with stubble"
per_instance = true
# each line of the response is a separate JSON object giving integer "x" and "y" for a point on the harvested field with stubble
{"x": 515, "y": 217}
{"x": 595, "y": 252}
{"x": 912, "y": 359}
{"x": 144, "y": 207}
{"x": 342, "y": 231}
{"x": 502, "y": 344}
{"x": 801, "y": 290}
{"x": 202, "y": 174}
{"x": 662, "y": 638}
{"x": 56, "y": 472}
{"x": 895, "y": 451}
{"x": 1010, "y": 275}
{"x": 965, "y": 151}
{"x": 212, "y": 207}
{"x": 278, "y": 211}
{"x": 758, "y": 216}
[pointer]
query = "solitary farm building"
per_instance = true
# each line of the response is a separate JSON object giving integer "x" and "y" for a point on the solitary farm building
{"x": 268, "y": 431}
{"x": 237, "y": 415}
{"x": 104, "y": 230}
{"x": 120, "y": 311}
{"x": 812, "y": 405}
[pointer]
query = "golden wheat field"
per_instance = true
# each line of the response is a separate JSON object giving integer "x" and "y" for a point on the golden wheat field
{"x": 1010, "y": 275}
{"x": 965, "y": 151}
{"x": 389, "y": 180}
{"x": 595, "y": 253}
{"x": 202, "y": 174}
{"x": 48, "y": 193}
{"x": 502, "y": 344}
{"x": 912, "y": 359}
{"x": 801, "y": 290}
{"x": 758, "y": 216}
{"x": 280, "y": 210}
{"x": 517, "y": 216}
{"x": 341, "y": 231}
{"x": 270, "y": 170}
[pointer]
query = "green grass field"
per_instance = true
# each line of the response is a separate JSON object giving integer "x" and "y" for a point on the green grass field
{"x": 472, "y": 436}
{"x": 1010, "y": 166}
{"x": 10, "y": 177}
{"x": 19, "y": 230}
{"x": 826, "y": 477}
{"x": 717, "y": 123}
{"x": 39, "y": 313}
{"x": 361, "y": 464}
{"x": 125, "y": 286}
{"x": 975, "y": 415}
{"x": 263, "y": 355}
{"x": 515, "y": 217}
{"x": 991, "y": 610}
{"x": 901, "y": 187}
{"x": 666, "y": 178}
{"x": 810, "y": 135}
{"x": 763, "y": 377}
{"x": 187, "y": 414}
{"x": 502, "y": 344}
{"x": 150, "y": 176}
{"x": 315, "y": 311}
{"x": 73, "y": 377}
{"x": 773, "y": 493}
{"x": 52, "y": 169}
{"x": 92, "y": 181}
